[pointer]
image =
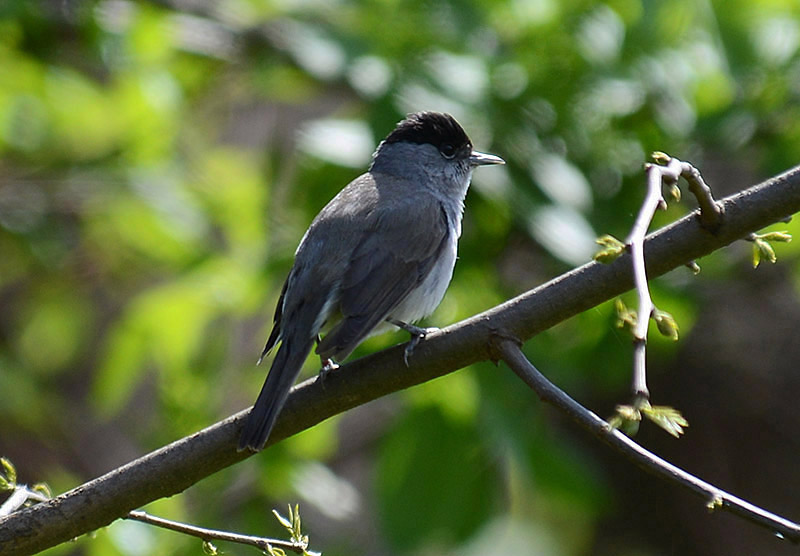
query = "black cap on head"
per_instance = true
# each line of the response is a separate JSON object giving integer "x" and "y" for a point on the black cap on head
{"x": 434, "y": 128}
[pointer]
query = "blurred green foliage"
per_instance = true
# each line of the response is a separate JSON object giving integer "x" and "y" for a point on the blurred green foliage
{"x": 159, "y": 166}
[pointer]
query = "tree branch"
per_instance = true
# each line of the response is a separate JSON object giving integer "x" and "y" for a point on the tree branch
{"x": 261, "y": 543}
{"x": 177, "y": 466}
{"x": 510, "y": 352}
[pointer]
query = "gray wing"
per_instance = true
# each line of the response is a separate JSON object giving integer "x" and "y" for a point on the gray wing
{"x": 392, "y": 258}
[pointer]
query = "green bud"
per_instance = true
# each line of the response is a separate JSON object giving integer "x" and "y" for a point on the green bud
{"x": 715, "y": 503}
{"x": 762, "y": 250}
{"x": 9, "y": 471}
{"x": 611, "y": 249}
{"x": 661, "y": 158}
{"x": 666, "y": 324}
{"x": 628, "y": 413}
{"x": 43, "y": 488}
{"x": 626, "y": 318}
{"x": 626, "y": 418}
{"x": 783, "y": 237}
{"x": 675, "y": 192}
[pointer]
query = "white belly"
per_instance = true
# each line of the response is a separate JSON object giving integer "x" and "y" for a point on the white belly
{"x": 422, "y": 301}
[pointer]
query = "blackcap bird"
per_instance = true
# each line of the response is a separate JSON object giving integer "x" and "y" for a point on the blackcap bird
{"x": 382, "y": 251}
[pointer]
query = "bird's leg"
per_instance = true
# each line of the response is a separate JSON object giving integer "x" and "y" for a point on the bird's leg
{"x": 328, "y": 365}
{"x": 417, "y": 334}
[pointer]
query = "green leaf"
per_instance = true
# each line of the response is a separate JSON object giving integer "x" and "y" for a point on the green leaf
{"x": 628, "y": 417}
{"x": 282, "y": 520}
{"x": 666, "y": 417}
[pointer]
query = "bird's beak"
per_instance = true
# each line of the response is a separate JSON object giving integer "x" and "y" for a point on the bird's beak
{"x": 482, "y": 159}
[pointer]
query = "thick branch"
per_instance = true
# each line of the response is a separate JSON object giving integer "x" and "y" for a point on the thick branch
{"x": 175, "y": 467}
{"x": 715, "y": 498}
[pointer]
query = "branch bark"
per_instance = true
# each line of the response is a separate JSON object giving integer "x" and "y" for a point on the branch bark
{"x": 175, "y": 467}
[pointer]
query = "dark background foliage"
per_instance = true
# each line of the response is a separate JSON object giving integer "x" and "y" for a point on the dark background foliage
{"x": 159, "y": 162}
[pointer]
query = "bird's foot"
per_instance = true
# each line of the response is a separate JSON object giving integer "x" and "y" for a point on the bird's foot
{"x": 417, "y": 334}
{"x": 328, "y": 366}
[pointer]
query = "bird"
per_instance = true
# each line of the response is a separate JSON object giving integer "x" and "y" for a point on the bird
{"x": 380, "y": 253}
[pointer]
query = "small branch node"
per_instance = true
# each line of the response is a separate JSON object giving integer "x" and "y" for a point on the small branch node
{"x": 711, "y": 211}
{"x": 496, "y": 338}
{"x": 694, "y": 267}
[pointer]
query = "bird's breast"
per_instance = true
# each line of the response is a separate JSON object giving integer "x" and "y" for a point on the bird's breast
{"x": 424, "y": 299}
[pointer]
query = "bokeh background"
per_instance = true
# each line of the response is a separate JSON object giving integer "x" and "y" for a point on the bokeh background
{"x": 159, "y": 162}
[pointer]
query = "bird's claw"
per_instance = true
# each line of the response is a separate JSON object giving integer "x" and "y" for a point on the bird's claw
{"x": 417, "y": 334}
{"x": 328, "y": 366}
{"x": 416, "y": 337}
{"x": 412, "y": 344}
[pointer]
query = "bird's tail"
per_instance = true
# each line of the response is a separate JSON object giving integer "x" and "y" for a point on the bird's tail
{"x": 282, "y": 375}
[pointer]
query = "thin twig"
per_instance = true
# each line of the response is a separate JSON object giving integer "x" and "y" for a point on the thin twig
{"x": 261, "y": 543}
{"x": 510, "y": 352}
{"x": 655, "y": 175}
{"x": 710, "y": 217}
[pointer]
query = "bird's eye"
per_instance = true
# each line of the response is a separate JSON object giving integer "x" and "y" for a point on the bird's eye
{"x": 447, "y": 150}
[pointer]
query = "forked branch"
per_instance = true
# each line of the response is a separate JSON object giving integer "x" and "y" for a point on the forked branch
{"x": 509, "y": 351}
